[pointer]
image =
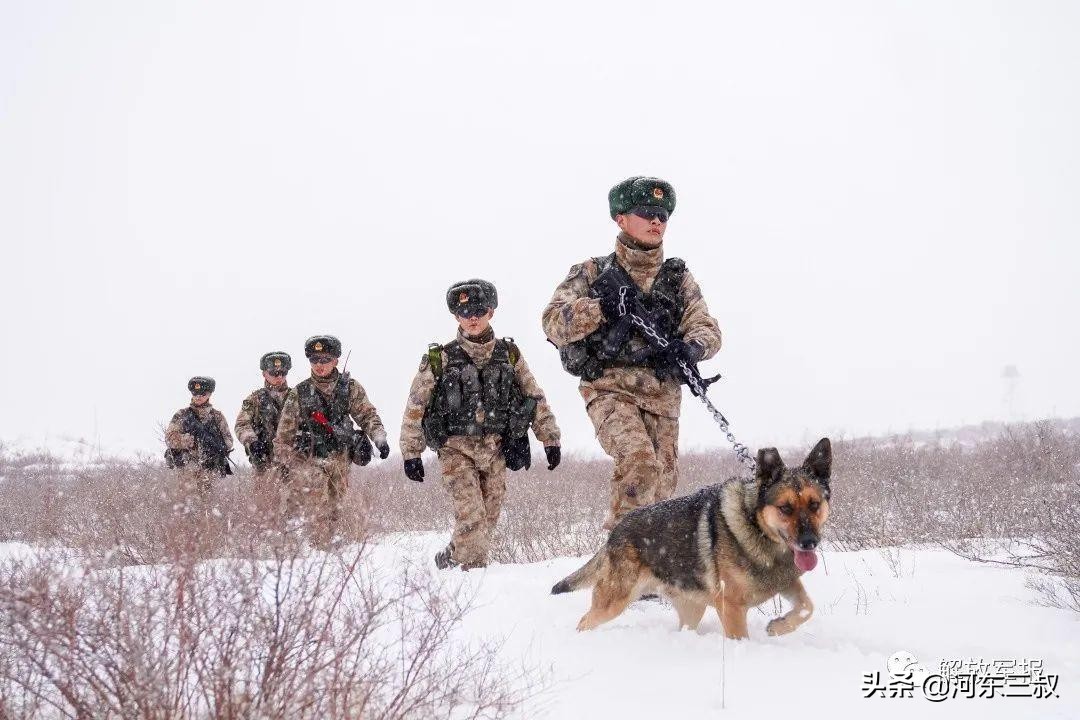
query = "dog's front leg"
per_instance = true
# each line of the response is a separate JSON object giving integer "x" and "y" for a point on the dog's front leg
{"x": 801, "y": 610}
{"x": 732, "y": 617}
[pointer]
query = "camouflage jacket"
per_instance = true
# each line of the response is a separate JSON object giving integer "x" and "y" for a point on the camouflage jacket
{"x": 177, "y": 439}
{"x": 251, "y": 415}
{"x": 572, "y": 315}
{"x": 360, "y": 409}
{"x": 412, "y": 431}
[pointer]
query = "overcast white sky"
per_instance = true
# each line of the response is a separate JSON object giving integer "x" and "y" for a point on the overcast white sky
{"x": 879, "y": 199}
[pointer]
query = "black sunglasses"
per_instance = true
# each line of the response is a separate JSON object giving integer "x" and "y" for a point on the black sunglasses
{"x": 648, "y": 212}
{"x": 277, "y": 373}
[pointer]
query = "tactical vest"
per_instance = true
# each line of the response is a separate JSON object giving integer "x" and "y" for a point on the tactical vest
{"x": 472, "y": 400}
{"x": 663, "y": 303}
{"x": 312, "y": 436}
{"x": 267, "y": 415}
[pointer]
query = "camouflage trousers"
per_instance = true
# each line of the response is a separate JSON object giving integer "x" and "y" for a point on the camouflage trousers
{"x": 474, "y": 473}
{"x": 645, "y": 448}
{"x": 314, "y": 489}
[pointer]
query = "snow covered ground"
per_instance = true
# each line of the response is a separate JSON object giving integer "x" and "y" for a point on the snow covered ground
{"x": 868, "y": 608}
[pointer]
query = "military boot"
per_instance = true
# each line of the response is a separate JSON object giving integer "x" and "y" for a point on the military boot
{"x": 445, "y": 558}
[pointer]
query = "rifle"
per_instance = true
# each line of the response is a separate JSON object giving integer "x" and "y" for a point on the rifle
{"x": 347, "y": 436}
{"x": 174, "y": 458}
{"x": 213, "y": 451}
{"x": 354, "y": 441}
{"x": 617, "y": 293}
{"x": 259, "y": 451}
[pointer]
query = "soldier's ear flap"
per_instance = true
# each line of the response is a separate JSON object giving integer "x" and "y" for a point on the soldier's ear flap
{"x": 819, "y": 462}
{"x": 770, "y": 468}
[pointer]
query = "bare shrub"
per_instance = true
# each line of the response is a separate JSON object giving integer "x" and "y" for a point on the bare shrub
{"x": 291, "y": 636}
{"x": 1056, "y": 591}
{"x": 1034, "y": 502}
{"x": 546, "y": 513}
{"x": 960, "y": 490}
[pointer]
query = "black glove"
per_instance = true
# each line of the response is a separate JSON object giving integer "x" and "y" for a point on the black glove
{"x": 516, "y": 453}
{"x": 414, "y": 469}
{"x": 689, "y": 352}
{"x": 607, "y": 288}
{"x": 554, "y": 456}
{"x": 384, "y": 450}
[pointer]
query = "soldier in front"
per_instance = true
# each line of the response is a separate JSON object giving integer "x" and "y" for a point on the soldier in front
{"x": 630, "y": 376}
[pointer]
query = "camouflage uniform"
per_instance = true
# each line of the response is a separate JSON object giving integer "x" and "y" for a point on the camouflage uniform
{"x": 318, "y": 485}
{"x": 473, "y": 468}
{"x": 194, "y": 478}
{"x": 266, "y": 482}
{"x": 635, "y": 415}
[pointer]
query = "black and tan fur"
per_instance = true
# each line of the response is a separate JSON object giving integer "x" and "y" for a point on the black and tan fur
{"x": 729, "y": 545}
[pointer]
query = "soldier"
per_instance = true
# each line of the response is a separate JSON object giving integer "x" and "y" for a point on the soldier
{"x": 316, "y": 439}
{"x": 472, "y": 401}
{"x": 257, "y": 424}
{"x": 630, "y": 380}
{"x": 199, "y": 441}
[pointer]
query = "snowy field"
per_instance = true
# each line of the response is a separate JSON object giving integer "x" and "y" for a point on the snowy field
{"x": 869, "y": 606}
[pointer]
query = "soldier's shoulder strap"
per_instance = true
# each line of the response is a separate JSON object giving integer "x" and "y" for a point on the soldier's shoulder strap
{"x": 434, "y": 356}
{"x": 500, "y": 352}
{"x": 339, "y": 404}
{"x": 219, "y": 419}
{"x": 591, "y": 268}
{"x": 670, "y": 278}
{"x": 308, "y": 398}
{"x": 513, "y": 354}
{"x": 456, "y": 355}
{"x": 302, "y": 389}
{"x": 602, "y": 263}
{"x": 674, "y": 265}
{"x": 611, "y": 262}
{"x": 265, "y": 407}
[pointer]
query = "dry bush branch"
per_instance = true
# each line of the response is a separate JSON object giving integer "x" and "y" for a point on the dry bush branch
{"x": 1011, "y": 482}
{"x": 296, "y": 635}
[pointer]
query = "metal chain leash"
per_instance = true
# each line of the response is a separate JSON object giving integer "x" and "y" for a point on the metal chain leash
{"x": 741, "y": 451}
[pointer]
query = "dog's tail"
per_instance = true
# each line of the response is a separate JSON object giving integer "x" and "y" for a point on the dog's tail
{"x": 582, "y": 577}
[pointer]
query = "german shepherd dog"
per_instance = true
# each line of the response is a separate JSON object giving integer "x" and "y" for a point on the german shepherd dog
{"x": 732, "y": 545}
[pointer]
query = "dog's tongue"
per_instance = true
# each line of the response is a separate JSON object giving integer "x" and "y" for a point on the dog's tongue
{"x": 805, "y": 560}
